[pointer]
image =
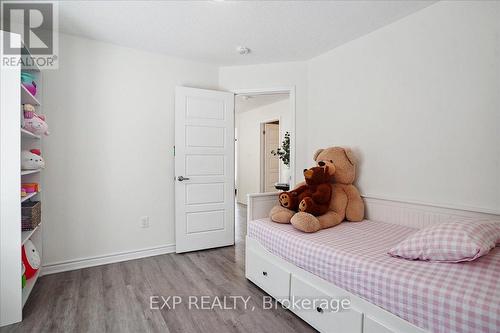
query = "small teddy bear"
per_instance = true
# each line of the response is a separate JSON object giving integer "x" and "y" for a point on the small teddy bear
{"x": 314, "y": 196}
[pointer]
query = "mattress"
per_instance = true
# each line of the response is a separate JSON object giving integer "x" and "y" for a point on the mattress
{"x": 437, "y": 297}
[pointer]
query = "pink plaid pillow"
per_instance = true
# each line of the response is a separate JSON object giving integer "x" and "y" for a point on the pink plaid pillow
{"x": 450, "y": 242}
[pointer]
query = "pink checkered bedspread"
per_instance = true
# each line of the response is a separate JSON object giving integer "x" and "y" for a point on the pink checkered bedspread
{"x": 437, "y": 297}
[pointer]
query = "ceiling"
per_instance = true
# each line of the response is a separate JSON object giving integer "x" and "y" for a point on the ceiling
{"x": 210, "y": 31}
{"x": 247, "y": 103}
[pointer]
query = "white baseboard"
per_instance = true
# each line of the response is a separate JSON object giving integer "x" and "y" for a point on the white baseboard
{"x": 70, "y": 265}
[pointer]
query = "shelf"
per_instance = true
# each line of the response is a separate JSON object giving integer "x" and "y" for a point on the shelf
{"x": 29, "y": 172}
{"x": 29, "y": 135}
{"x": 29, "y": 286}
{"x": 25, "y": 235}
{"x": 29, "y": 196}
{"x": 27, "y": 97}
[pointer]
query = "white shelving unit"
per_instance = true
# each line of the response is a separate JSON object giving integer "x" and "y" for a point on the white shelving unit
{"x": 31, "y": 141}
{"x": 13, "y": 139}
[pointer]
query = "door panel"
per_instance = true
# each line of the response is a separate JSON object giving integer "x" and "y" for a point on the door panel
{"x": 204, "y": 193}
{"x": 199, "y": 165}
{"x": 204, "y": 145}
{"x": 205, "y": 136}
{"x": 203, "y": 222}
{"x": 205, "y": 108}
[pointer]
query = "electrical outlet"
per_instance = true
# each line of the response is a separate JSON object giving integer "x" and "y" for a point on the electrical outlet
{"x": 145, "y": 222}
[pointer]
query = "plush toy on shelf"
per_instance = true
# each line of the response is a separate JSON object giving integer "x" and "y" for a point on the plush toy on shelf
{"x": 314, "y": 196}
{"x": 28, "y": 110}
{"x": 28, "y": 81}
{"x": 31, "y": 259}
{"x": 31, "y": 160}
{"x": 23, "y": 192}
{"x": 30, "y": 187}
{"x": 32, "y": 122}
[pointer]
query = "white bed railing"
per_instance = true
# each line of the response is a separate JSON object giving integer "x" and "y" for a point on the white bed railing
{"x": 260, "y": 204}
{"x": 392, "y": 211}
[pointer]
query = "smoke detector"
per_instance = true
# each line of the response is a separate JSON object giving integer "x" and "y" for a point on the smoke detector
{"x": 243, "y": 50}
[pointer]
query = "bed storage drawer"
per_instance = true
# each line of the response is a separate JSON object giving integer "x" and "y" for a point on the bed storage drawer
{"x": 268, "y": 275}
{"x": 323, "y": 318}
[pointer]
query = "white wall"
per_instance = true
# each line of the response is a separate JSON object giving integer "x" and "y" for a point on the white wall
{"x": 420, "y": 101}
{"x": 248, "y": 127}
{"x": 109, "y": 158}
{"x": 271, "y": 76}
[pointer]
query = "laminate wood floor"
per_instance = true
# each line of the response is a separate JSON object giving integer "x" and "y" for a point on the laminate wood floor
{"x": 116, "y": 297}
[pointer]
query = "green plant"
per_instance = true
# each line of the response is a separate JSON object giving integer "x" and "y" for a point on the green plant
{"x": 283, "y": 152}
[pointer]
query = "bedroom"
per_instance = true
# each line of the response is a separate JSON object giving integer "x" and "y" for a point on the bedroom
{"x": 141, "y": 97}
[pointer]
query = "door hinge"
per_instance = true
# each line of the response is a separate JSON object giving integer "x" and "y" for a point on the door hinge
{"x": 264, "y": 132}
{"x": 174, "y": 150}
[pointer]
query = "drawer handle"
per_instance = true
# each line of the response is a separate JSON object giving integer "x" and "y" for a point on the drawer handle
{"x": 320, "y": 310}
{"x": 264, "y": 273}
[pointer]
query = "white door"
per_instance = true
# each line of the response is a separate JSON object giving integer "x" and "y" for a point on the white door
{"x": 204, "y": 169}
{"x": 271, "y": 162}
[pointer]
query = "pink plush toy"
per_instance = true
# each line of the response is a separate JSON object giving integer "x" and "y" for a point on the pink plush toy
{"x": 33, "y": 122}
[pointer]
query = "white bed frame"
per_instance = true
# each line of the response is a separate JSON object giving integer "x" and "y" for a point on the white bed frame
{"x": 283, "y": 280}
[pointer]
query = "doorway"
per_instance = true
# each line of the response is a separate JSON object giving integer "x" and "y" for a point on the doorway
{"x": 263, "y": 122}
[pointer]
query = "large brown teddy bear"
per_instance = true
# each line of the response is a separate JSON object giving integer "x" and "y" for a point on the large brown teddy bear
{"x": 314, "y": 196}
{"x": 346, "y": 202}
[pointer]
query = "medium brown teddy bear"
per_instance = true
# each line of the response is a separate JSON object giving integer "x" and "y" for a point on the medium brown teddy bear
{"x": 346, "y": 202}
{"x": 314, "y": 196}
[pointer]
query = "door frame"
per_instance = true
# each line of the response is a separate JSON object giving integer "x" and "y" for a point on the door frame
{"x": 291, "y": 96}
{"x": 262, "y": 173}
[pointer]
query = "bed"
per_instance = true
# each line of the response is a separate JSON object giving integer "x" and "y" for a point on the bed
{"x": 387, "y": 294}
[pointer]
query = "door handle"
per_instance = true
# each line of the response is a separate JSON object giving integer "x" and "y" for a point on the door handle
{"x": 182, "y": 178}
